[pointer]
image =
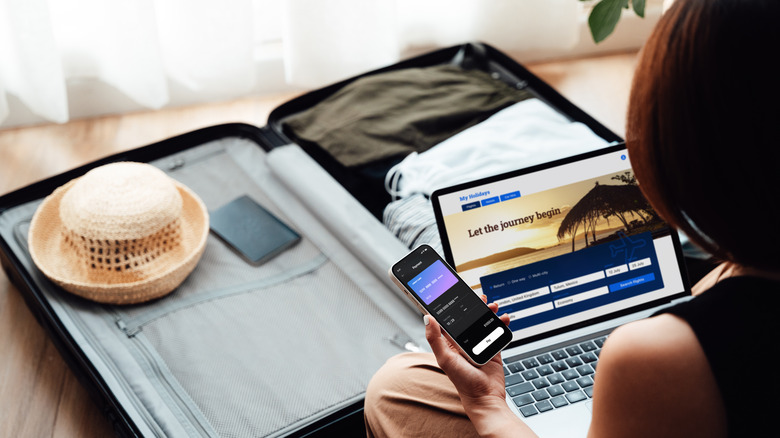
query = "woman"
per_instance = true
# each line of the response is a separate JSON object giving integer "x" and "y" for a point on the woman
{"x": 702, "y": 137}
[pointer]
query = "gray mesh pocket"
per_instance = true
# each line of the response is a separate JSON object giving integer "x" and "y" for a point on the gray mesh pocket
{"x": 221, "y": 273}
{"x": 257, "y": 364}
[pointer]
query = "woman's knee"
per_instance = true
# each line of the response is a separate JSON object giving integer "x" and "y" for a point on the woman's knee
{"x": 411, "y": 396}
{"x": 402, "y": 374}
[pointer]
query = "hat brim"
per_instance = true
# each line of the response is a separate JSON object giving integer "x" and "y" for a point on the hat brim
{"x": 52, "y": 255}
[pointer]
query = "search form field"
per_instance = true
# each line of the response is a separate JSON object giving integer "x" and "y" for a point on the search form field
{"x": 579, "y": 281}
{"x": 530, "y": 311}
{"x": 640, "y": 263}
{"x": 615, "y": 270}
{"x": 514, "y": 299}
{"x": 582, "y": 297}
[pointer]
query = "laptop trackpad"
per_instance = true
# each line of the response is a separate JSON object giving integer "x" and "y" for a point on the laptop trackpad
{"x": 569, "y": 422}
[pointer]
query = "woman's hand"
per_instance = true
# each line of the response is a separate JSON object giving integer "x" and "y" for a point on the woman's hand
{"x": 481, "y": 390}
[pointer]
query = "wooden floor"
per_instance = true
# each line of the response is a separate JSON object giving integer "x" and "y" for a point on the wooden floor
{"x": 39, "y": 395}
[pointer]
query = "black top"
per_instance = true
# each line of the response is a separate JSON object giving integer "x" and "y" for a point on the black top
{"x": 737, "y": 325}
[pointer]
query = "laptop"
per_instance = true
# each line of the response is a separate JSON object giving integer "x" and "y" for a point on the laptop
{"x": 569, "y": 250}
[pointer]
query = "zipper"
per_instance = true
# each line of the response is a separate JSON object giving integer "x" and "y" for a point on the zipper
{"x": 108, "y": 362}
{"x": 170, "y": 386}
{"x": 133, "y": 326}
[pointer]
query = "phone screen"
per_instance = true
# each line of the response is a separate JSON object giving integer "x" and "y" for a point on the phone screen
{"x": 459, "y": 311}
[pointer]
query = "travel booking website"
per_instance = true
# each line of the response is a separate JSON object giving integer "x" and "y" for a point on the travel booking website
{"x": 561, "y": 245}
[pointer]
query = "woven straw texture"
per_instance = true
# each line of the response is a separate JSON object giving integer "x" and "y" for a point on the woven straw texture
{"x": 122, "y": 233}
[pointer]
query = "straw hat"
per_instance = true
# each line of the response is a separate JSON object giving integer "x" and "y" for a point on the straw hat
{"x": 122, "y": 233}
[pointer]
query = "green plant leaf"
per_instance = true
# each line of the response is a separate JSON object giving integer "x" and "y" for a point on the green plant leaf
{"x": 639, "y": 7}
{"x": 604, "y": 17}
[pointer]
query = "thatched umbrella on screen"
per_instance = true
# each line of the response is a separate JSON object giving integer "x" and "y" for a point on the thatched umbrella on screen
{"x": 604, "y": 201}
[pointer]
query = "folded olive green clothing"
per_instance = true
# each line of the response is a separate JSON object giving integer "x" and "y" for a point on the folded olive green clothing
{"x": 398, "y": 112}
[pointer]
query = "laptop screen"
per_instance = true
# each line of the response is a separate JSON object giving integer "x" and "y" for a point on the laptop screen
{"x": 561, "y": 245}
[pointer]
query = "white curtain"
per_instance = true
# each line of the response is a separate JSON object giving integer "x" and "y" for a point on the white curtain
{"x": 29, "y": 65}
{"x": 330, "y": 40}
{"x": 154, "y": 53}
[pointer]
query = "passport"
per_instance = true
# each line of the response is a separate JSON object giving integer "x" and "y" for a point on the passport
{"x": 251, "y": 230}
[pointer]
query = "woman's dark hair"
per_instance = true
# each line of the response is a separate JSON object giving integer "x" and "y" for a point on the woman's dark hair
{"x": 703, "y": 126}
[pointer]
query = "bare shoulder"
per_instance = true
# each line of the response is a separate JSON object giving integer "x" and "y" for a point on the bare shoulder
{"x": 654, "y": 380}
{"x": 661, "y": 334}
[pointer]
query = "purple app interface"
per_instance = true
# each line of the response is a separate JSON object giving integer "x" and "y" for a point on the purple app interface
{"x": 432, "y": 282}
{"x": 453, "y": 304}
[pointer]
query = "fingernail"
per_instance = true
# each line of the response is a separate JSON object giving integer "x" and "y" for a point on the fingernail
{"x": 426, "y": 319}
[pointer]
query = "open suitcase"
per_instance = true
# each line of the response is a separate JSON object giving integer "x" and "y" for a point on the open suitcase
{"x": 283, "y": 349}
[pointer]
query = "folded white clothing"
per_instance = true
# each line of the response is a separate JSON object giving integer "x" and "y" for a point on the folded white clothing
{"x": 411, "y": 219}
{"x": 524, "y": 134}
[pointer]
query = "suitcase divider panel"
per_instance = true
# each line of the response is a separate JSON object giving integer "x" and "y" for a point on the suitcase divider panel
{"x": 355, "y": 228}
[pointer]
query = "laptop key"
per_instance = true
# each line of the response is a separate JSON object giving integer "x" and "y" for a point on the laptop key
{"x": 555, "y": 379}
{"x": 584, "y": 382}
{"x": 522, "y": 388}
{"x": 559, "y": 401}
{"x": 541, "y": 383}
{"x": 559, "y": 366}
{"x": 585, "y": 370}
{"x": 573, "y": 350}
{"x": 530, "y": 363}
{"x": 544, "y": 359}
{"x": 570, "y": 386}
{"x": 589, "y": 391}
{"x": 506, "y": 371}
{"x": 540, "y": 395}
{"x": 515, "y": 367}
{"x": 570, "y": 374}
{"x": 588, "y": 346}
{"x": 544, "y": 406}
{"x": 559, "y": 355}
{"x": 577, "y": 396}
{"x": 589, "y": 357}
{"x": 528, "y": 411}
{"x": 555, "y": 391}
{"x": 574, "y": 362}
{"x": 545, "y": 370}
{"x": 523, "y": 400}
{"x": 530, "y": 374}
{"x": 600, "y": 341}
{"x": 514, "y": 379}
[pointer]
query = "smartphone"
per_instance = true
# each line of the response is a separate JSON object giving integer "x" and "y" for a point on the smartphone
{"x": 437, "y": 290}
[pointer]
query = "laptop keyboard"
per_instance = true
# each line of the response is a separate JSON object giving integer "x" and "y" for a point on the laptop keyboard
{"x": 551, "y": 380}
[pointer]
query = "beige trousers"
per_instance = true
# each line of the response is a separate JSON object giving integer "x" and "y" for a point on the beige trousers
{"x": 410, "y": 396}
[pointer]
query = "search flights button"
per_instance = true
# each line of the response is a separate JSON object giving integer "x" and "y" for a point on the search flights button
{"x": 632, "y": 282}
{"x": 483, "y": 344}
